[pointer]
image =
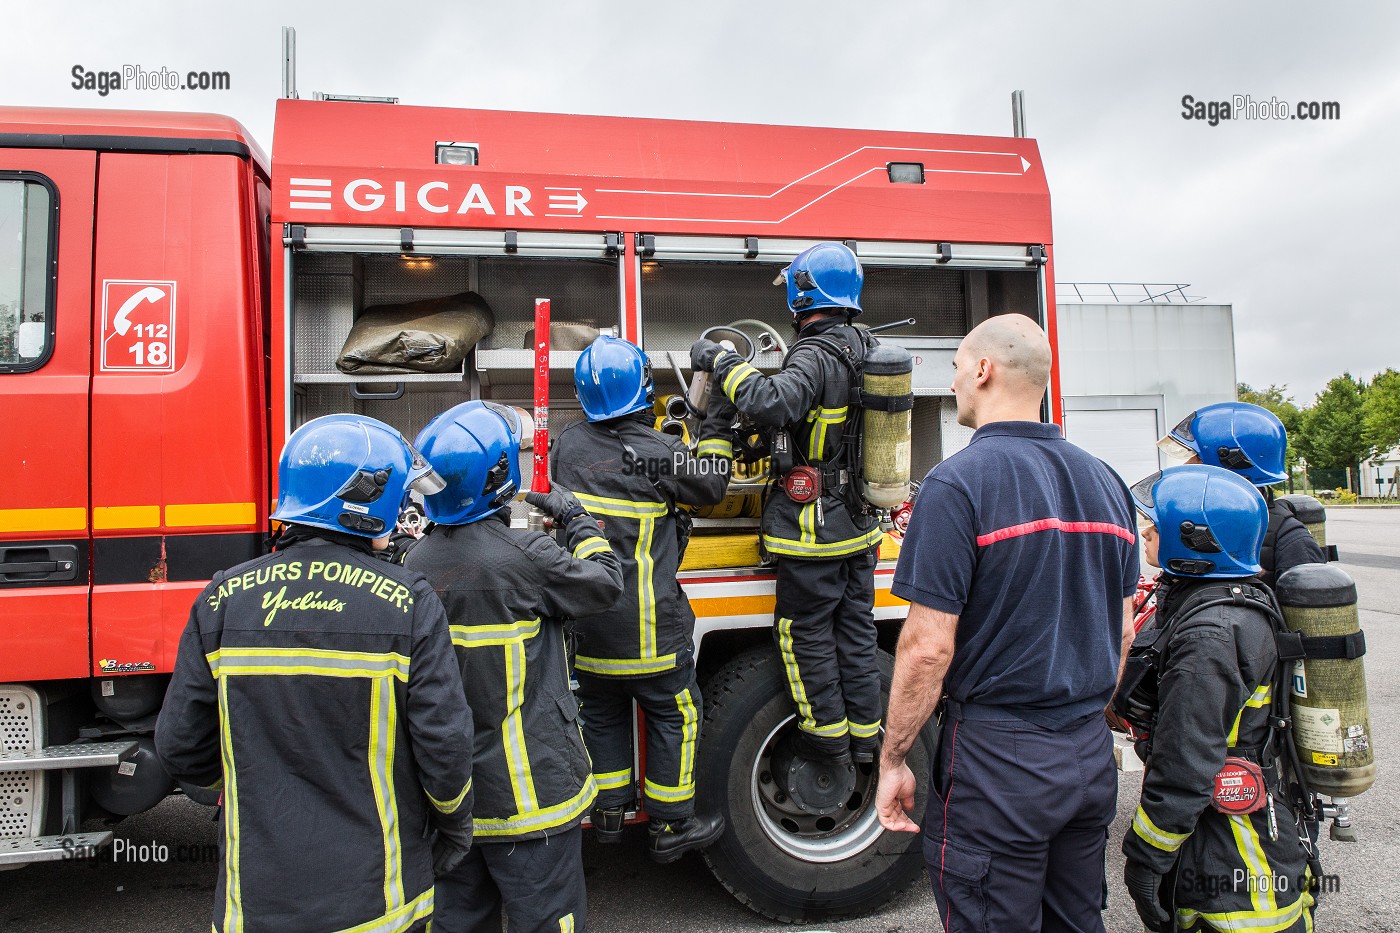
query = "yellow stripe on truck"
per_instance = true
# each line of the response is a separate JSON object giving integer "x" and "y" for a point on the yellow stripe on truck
{"x": 204, "y": 514}
{"x": 43, "y": 520}
{"x": 125, "y": 516}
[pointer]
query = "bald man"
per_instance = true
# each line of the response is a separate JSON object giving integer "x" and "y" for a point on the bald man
{"x": 1020, "y": 565}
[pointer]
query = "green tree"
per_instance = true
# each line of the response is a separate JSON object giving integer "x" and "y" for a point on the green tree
{"x": 1276, "y": 400}
{"x": 1380, "y": 412}
{"x": 1333, "y": 436}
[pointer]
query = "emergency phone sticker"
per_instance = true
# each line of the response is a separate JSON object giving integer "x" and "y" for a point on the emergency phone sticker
{"x": 138, "y": 326}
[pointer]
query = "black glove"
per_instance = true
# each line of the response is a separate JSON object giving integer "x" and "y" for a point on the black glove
{"x": 451, "y": 845}
{"x": 703, "y": 354}
{"x": 1144, "y": 886}
{"x": 559, "y": 504}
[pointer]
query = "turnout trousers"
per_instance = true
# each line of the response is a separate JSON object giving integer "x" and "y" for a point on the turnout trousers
{"x": 824, "y": 625}
{"x": 538, "y": 883}
{"x": 671, "y": 702}
{"x": 1017, "y": 822}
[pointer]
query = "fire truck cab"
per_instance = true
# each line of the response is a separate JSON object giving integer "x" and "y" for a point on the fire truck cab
{"x": 171, "y": 308}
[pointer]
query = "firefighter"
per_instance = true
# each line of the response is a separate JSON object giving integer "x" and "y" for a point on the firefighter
{"x": 508, "y": 593}
{"x": 1216, "y": 842}
{"x": 824, "y": 541}
{"x": 632, "y": 477}
{"x": 316, "y": 687}
{"x": 1251, "y": 441}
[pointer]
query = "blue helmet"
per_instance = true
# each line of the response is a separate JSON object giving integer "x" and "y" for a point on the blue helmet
{"x": 1244, "y": 438}
{"x": 612, "y": 378}
{"x": 348, "y": 473}
{"x": 475, "y": 448}
{"x": 827, "y": 275}
{"x": 1210, "y": 522}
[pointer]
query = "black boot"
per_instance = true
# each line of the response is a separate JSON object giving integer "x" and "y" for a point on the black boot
{"x": 670, "y": 840}
{"x": 607, "y": 824}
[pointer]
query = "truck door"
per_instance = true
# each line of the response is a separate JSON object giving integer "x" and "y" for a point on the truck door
{"x": 46, "y": 221}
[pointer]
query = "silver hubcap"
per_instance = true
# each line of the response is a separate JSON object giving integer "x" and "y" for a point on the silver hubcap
{"x": 830, "y": 837}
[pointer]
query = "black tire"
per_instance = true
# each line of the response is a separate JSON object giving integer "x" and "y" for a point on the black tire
{"x": 746, "y": 703}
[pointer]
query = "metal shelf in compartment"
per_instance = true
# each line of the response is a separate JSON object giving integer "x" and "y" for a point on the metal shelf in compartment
{"x": 339, "y": 378}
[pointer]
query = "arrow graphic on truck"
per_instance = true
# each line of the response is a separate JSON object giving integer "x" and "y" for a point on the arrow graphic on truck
{"x": 573, "y": 201}
{"x": 836, "y": 175}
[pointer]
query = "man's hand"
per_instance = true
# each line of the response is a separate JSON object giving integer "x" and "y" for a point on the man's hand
{"x": 450, "y": 846}
{"x": 894, "y": 798}
{"x": 559, "y": 504}
{"x": 703, "y": 353}
{"x": 1144, "y": 886}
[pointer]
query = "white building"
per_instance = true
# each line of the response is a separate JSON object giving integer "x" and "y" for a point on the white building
{"x": 1135, "y": 359}
{"x": 1380, "y": 478}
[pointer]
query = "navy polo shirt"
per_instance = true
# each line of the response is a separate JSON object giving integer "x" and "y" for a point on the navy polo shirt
{"x": 1031, "y": 541}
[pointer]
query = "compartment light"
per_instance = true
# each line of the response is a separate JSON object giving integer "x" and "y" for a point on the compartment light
{"x": 906, "y": 173}
{"x": 450, "y": 153}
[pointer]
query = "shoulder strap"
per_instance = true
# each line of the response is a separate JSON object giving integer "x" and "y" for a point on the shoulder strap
{"x": 631, "y": 452}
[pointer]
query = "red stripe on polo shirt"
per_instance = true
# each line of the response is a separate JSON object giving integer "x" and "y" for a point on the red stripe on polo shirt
{"x": 1054, "y": 524}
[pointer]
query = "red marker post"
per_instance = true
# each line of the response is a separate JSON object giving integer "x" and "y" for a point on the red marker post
{"x": 539, "y": 480}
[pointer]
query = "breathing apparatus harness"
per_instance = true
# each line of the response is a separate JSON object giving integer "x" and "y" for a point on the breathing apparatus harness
{"x": 1243, "y": 785}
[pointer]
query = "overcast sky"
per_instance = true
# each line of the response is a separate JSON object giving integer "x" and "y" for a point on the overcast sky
{"x": 1292, "y": 222}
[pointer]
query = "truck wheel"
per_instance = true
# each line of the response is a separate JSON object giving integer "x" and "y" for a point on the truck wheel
{"x": 776, "y": 860}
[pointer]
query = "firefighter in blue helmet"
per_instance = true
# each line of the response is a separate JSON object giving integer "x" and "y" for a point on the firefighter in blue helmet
{"x": 1218, "y": 841}
{"x": 509, "y": 594}
{"x": 633, "y": 477}
{"x": 1249, "y": 440}
{"x": 316, "y": 687}
{"x": 824, "y": 539}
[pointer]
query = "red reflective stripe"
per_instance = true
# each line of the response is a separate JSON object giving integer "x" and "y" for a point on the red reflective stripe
{"x": 1054, "y": 524}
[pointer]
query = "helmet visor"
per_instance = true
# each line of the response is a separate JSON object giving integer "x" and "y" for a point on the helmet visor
{"x": 422, "y": 478}
{"x": 1178, "y": 443}
{"x": 1143, "y": 496}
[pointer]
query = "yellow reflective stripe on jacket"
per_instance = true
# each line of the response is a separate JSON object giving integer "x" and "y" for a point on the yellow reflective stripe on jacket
{"x": 714, "y": 446}
{"x": 665, "y": 794}
{"x": 590, "y": 546}
{"x": 1154, "y": 836}
{"x": 807, "y": 525}
{"x": 541, "y": 818}
{"x": 399, "y": 919}
{"x": 612, "y": 780}
{"x": 740, "y": 374}
{"x": 233, "y": 890}
{"x": 622, "y": 508}
{"x": 450, "y": 806}
{"x": 646, "y": 589}
{"x": 383, "y": 728}
{"x": 1260, "y": 698}
{"x": 622, "y": 667}
{"x": 522, "y": 781}
{"x": 495, "y": 636}
{"x": 1268, "y": 920}
{"x": 1251, "y": 851}
{"x": 318, "y": 662}
{"x": 786, "y": 547}
{"x": 690, "y": 731}
{"x": 863, "y": 731}
{"x": 820, "y": 419}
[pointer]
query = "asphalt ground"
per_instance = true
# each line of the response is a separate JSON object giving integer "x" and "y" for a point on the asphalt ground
{"x": 628, "y": 893}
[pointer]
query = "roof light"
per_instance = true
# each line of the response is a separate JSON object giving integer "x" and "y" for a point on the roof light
{"x": 906, "y": 173}
{"x": 448, "y": 153}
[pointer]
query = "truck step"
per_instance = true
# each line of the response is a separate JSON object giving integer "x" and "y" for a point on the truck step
{"x": 77, "y": 755}
{"x": 52, "y": 848}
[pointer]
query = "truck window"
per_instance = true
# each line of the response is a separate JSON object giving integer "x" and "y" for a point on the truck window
{"x": 28, "y": 219}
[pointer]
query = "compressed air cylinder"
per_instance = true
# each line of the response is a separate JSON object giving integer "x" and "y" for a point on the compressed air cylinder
{"x": 888, "y": 383}
{"x": 1312, "y": 514}
{"x": 1331, "y": 717}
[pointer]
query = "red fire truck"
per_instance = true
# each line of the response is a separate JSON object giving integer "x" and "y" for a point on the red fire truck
{"x": 172, "y": 305}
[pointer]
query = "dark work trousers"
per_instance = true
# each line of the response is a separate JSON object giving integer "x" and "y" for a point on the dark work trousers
{"x": 824, "y": 625}
{"x": 1017, "y": 820}
{"x": 671, "y": 702}
{"x": 538, "y": 882}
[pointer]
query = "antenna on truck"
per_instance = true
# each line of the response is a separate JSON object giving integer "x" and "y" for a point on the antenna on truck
{"x": 1018, "y": 113}
{"x": 289, "y": 62}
